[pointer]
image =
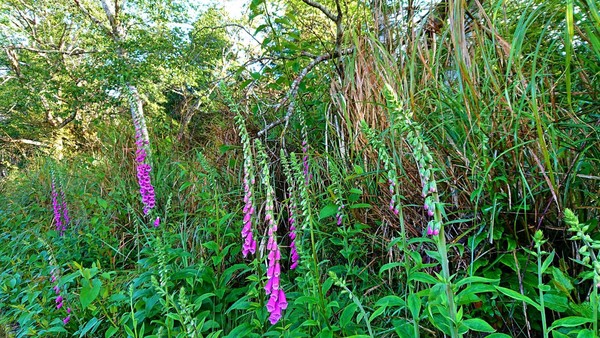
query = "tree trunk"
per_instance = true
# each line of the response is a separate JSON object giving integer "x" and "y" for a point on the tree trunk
{"x": 135, "y": 101}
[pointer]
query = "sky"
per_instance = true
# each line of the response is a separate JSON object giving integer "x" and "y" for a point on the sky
{"x": 235, "y": 8}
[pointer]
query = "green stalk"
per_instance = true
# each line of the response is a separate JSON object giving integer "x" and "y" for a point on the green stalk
{"x": 316, "y": 273}
{"x": 441, "y": 243}
{"x": 543, "y": 312}
{"x": 407, "y": 266}
{"x": 595, "y": 307}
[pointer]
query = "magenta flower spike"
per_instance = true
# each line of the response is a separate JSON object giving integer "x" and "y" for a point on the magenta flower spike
{"x": 143, "y": 172}
{"x": 277, "y": 300}
{"x": 249, "y": 245}
{"x": 60, "y": 300}
{"x": 65, "y": 210}
{"x": 292, "y": 234}
{"x": 56, "y": 207}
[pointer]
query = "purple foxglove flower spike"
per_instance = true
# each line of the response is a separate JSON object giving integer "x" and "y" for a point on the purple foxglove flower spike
{"x": 56, "y": 206}
{"x": 143, "y": 171}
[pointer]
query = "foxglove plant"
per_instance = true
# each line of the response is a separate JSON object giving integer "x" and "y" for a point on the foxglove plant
{"x": 590, "y": 257}
{"x": 307, "y": 175}
{"x": 423, "y": 159}
{"x": 60, "y": 300}
{"x": 337, "y": 192}
{"x": 277, "y": 299}
{"x": 60, "y": 209}
{"x": 313, "y": 275}
{"x": 433, "y": 206}
{"x": 249, "y": 245}
{"x": 292, "y": 209}
{"x": 389, "y": 166}
{"x": 65, "y": 209}
{"x": 143, "y": 169}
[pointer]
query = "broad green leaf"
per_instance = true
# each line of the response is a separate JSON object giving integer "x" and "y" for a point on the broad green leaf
{"x": 414, "y": 305}
{"x": 423, "y": 278}
{"x": 328, "y": 211}
{"x": 572, "y": 321}
{"x": 347, "y": 314}
{"x": 389, "y": 266}
{"x": 548, "y": 261}
{"x": 561, "y": 282}
{"x": 586, "y": 333}
{"x": 111, "y": 331}
{"x": 475, "y": 279}
{"x": 89, "y": 292}
{"x": 91, "y": 324}
{"x": 554, "y": 302}
{"x": 242, "y": 330}
{"x": 391, "y": 300}
{"x": 360, "y": 206}
{"x": 477, "y": 324}
{"x": 517, "y": 296}
{"x": 376, "y": 314}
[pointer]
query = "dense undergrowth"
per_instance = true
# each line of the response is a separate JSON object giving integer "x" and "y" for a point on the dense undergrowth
{"x": 426, "y": 189}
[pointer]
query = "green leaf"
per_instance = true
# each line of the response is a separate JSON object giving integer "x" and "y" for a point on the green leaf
{"x": 572, "y": 321}
{"x": 544, "y": 287}
{"x": 586, "y": 333}
{"x": 240, "y": 304}
{"x": 347, "y": 314}
{"x": 547, "y": 261}
{"x": 92, "y": 323}
{"x": 355, "y": 191}
{"x": 391, "y": 300}
{"x": 243, "y": 330}
{"x": 306, "y": 300}
{"x": 129, "y": 331}
{"x": 517, "y": 296}
{"x": 360, "y": 206}
{"x": 561, "y": 282}
{"x": 414, "y": 305}
{"x": 423, "y": 278}
{"x": 475, "y": 279}
{"x": 57, "y": 329}
{"x": 102, "y": 203}
{"x": 498, "y": 335}
{"x": 89, "y": 292}
{"x": 389, "y": 266}
{"x": 328, "y": 211}
{"x": 111, "y": 331}
{"x": 477, "y": 324}
{"x": 376, "y": 314}
{"x": 554, "y": 302}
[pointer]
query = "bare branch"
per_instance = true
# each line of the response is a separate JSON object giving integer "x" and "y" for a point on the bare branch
{"x": 24, "y": 141}
{"x": 110, "y": 15}
{"x": 323, "y": 9}
{"x": 296, "y": 84}
{"x": 93, "y": 18}
{"x": 74, "y": 51}
{"x": 230, "y": 25}
{"x": 68, "y": 119}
